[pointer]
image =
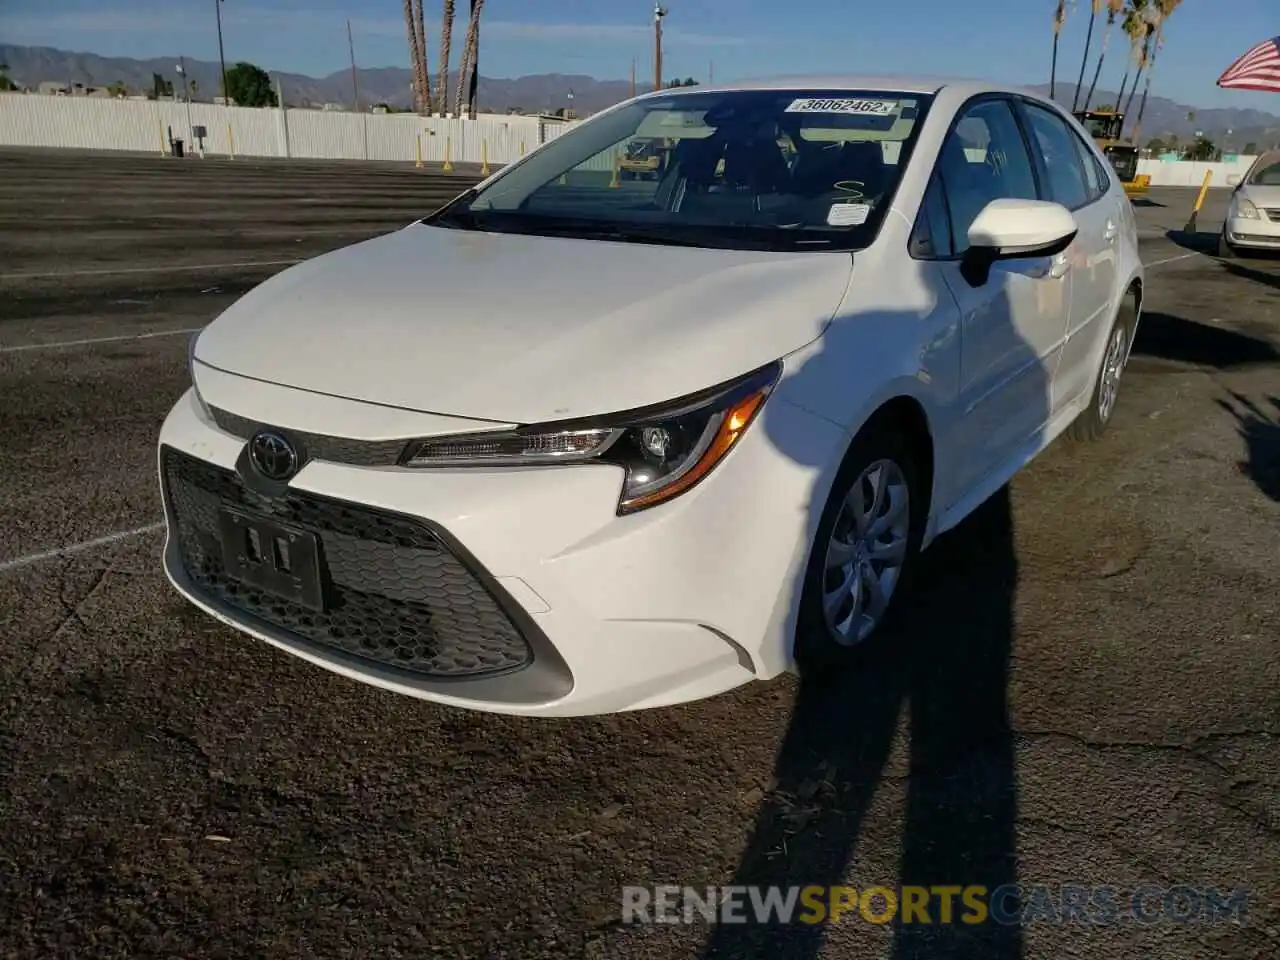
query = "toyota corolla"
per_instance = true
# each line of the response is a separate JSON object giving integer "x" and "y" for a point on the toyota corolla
{"x": 586, "y": 440}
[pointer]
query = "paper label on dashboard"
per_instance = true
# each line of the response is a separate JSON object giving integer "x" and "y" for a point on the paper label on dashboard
{"x": 848, "y": 106}
{"x": 848, "y": 214}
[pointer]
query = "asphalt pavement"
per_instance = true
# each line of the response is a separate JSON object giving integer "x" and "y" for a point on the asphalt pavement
{"x": 1088, "y": 692}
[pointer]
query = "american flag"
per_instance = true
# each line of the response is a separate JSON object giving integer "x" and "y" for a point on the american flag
{"x": 1258, "y": 69}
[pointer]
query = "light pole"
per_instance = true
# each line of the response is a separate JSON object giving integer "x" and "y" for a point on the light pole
{"x": 182, "y": 72}
{"x": 222, "y": 60}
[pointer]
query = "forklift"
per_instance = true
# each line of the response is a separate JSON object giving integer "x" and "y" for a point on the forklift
{"x": 1105, "y": 127}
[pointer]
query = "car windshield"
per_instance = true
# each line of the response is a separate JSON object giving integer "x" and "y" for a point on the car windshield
{"x": 1267, "y": 175}
{"x": 757, "y": 169}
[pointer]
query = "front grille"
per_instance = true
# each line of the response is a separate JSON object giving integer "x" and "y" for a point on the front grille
{"x": 316, "y": 446}
{"x": 395, "y": 593}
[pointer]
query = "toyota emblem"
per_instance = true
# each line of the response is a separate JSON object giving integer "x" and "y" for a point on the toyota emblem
{"x": 273, "y": 456}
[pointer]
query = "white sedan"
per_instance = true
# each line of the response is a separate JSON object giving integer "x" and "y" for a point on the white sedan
{"x": 1253, "y": 212}
{"x": 583, "y": 442}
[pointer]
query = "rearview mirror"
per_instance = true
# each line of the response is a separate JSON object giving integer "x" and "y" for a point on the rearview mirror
{"x": 1233, "y": 180}
{"x": 1011, "y": 229}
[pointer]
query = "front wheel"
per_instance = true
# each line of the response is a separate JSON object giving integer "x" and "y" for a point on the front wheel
{"x": 1225, "y": 250}
{"x": 863, "y": 553}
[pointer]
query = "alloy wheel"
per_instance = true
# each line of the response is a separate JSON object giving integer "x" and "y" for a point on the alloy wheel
{"x": 865, "y": 554}
{"x": 1112, "y": 368}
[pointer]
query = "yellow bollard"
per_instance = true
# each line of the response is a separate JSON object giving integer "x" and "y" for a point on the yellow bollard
{"x": 1195, "y": 212}
{"x": 160, "y": 136}
{"x": 231, "y": 139}
{"x": 617, "y": 165}
{"x": 418, "y": 150}
{"x": 484, "y": 158}
{"x": 448, "y": 149}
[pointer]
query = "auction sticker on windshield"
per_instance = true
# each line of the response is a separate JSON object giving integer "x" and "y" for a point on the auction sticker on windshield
{"x": 859, "y": 108}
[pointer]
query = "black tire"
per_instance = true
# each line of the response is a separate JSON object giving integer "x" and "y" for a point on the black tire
{"x": 818, "y": 655}
{"x": 1225, "y": 250}
{"x": 1091, "y": 424}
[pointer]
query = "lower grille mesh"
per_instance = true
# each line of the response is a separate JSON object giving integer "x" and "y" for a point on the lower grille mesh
{"x": 395, "y": 593}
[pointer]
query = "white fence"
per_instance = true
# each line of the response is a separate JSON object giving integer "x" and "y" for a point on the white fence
{"x": 1189, "y": 173}
{"x": 31, "y": 120}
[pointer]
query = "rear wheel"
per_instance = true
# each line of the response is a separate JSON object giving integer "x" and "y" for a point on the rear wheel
{"x": 1093, "y": 422}
{"x": 863, "y": 555}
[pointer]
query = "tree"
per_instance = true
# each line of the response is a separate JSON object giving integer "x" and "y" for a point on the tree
{"x": 6, "y": 84}
{"x": 1094, "y": 9}
{"x": 1202, "y": 149}
{"x": 249, "y": 86}
{"x": 118, "y": 89}
{"x": 1250, "y": 149}
{"x": 1114, "y": 9}
{"x": 1164, "y": 10}
{"x": 686, "y": 82}
{"x": 1157, "y": 146}
{"x": 1134, "y": 29}
{"x": 1059, "y": 17}
{"x": 417, "y": 56}
{"x": 446, "y": 45}
{"x": 467, "y": 74}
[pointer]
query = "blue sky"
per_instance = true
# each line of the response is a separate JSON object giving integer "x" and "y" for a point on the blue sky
{"x": 1000, "y": 39}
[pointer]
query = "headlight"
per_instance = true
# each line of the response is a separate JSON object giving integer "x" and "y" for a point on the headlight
{"x": 663, "y": 451}
{"x": 1245, "y": 208}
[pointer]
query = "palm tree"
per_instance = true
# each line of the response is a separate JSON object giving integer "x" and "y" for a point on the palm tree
{"x": 415, "y": 55}
{"x": 446, "y": 43}
{"x": 1094, "y": 10}
{"x": 1149, "y": 17}
{"x": 1165, "y": 10}
{"x": 470, "y": 49}
{"x": 1135, "y": 29}
{"x": 1059, "y": 17}
{"x": 1114, "y": 9}
{"x": 424, "y": 72}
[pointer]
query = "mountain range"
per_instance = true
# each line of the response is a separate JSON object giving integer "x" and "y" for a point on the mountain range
{"x": 29, "y": 66}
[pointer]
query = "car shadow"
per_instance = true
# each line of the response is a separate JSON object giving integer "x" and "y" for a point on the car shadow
{"x": 1146, "y": 202}
{"x": 941, "y": 674}
{"x": 1259, "y": 428}
{"x": 1169, "y": 337}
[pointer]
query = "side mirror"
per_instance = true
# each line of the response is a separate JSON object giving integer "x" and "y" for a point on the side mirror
{"x": 1233, "y": 180}
{"x": 1014, "y": 230}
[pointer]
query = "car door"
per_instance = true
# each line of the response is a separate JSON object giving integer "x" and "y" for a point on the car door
{"x": 1012, "y": 325}
{"x": 1070, "y": 176}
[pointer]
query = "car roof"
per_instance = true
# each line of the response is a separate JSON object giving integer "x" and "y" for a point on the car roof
{"x": 906, "y": 83}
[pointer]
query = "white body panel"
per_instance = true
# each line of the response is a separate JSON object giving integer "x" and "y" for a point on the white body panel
{"x": 429, "y": 332}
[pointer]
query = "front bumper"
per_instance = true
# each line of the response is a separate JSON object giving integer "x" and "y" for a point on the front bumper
{"x": 1263, "y": 233}
{"x": 513, "y": 591}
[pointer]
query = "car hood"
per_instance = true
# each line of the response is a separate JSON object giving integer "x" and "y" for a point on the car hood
{"x": 1261, "y": 196}
{"x": 515, "y": 328}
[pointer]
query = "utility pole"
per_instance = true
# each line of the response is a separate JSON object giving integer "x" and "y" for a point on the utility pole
{"x": 222, "y": 60}
{"x": 355, "y": 91}
{"x": 633, "y": 76}
{"x": 659, "y": 12}
{"x": 711, "y": 73}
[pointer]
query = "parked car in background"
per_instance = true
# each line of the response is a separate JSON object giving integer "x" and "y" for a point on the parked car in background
{"x": 576, "y": 444}
{"x": 1253, "y": 212}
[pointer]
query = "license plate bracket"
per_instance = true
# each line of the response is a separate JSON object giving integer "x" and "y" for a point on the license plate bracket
{"x": 277, "y": 559}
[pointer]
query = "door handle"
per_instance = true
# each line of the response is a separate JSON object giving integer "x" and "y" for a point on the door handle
{"x": 1059, "y": 266}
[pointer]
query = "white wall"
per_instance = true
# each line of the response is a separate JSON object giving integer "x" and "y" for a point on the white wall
{"x": 1189, "y": 173}
{"x": 31, "y": 120}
